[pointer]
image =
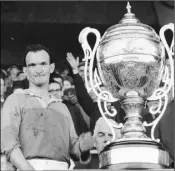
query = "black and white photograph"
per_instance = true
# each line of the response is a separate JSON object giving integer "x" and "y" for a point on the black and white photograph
{"x": 87, "y": 85}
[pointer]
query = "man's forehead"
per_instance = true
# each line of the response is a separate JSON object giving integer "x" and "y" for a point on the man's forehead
{"x": 37, "y": 57}
{"x": 14, "y": 70}
{"x": 104, "y": 129}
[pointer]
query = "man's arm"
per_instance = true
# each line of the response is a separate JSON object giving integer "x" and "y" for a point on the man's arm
{"x": 18, "y": 160}
{"x": 10, "y": 124}
{"x": 79, "y": 147}
{"x": 84, "y": 99}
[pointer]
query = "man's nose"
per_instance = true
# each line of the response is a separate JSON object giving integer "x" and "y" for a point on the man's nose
{"x": 39, "y": 69}
{"x": 106, "y": 138}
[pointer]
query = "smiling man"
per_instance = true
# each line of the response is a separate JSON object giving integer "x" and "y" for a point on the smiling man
{"x": 37, "y": 132}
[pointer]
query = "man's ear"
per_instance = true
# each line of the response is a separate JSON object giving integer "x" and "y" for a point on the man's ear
{"x": 25, "y": 70}
{"x": 52, "y": 67}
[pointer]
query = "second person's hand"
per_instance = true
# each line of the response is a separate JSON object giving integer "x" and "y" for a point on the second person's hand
{"x": 73, "y": 62}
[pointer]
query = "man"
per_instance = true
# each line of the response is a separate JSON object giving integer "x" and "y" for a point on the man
{"x": 88, "y": 101}
{"x": 37, "y": 132}
{"x": 55, "y": 90}
{"x": 13, "y": 77}
{"x": 56, "y": 77}
{"x": 68, "y": 82}
{"x": 13, "y": 72}
{"x": 103, "y": 135}
{"x": 64, "y": 71}
{"x": 80, "y": 66}
{"x": 21, "y": 76}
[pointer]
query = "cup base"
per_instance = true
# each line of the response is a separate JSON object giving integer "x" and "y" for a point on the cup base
{"x": 134, "y": 154}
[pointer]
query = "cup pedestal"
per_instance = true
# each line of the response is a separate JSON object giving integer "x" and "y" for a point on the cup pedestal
{"x": 134, "y": 150}
{"x": 134, "y": 154}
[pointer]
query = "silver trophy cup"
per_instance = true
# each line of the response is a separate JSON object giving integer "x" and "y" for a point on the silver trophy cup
{"x": 131, "y": 64}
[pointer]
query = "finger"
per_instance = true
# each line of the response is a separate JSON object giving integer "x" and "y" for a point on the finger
{"x": 88, "y": 135}
{"x": 69, "y": 94}
{"x": 78, "y": 60}
{"x": 71, "y": 55}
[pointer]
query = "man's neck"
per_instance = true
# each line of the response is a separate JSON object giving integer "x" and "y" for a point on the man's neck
{"x": 40, "y": 91}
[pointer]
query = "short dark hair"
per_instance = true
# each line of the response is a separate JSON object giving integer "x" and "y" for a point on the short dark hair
{"x": 36, "y": 48}
{"x": 69, "y": 78}
{"x": 81, "y": 64}
{"x": 16, "y": 85}
{"x": 55, "y": 75}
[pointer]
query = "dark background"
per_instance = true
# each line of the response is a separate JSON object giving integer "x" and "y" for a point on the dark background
{"x": 57, "y": 24}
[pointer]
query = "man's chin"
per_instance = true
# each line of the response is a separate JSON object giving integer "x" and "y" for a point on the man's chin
{"x": 100, "y": 150}
{"x": 40, "y": 84}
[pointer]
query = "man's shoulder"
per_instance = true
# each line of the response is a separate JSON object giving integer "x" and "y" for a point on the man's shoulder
{"x": 61, "y": 107}
{"x": 16, "y": 98}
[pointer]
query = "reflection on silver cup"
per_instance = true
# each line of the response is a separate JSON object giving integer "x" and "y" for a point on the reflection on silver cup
{"x": 131, "y": 65}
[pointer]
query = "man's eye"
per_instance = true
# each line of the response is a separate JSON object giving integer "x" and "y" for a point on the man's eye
{"x": 110, "y": 135}
{"x": 43, "y": 63}
{"x": 31, "y": 65}
{"x": 100, "y": 134}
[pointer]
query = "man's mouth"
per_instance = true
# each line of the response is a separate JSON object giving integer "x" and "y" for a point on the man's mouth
{"x": 39, "y": 75}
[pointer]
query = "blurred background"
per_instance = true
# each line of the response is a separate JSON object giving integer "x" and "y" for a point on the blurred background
{"x": 57, "y": 24}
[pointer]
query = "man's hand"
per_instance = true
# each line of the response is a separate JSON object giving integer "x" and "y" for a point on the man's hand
{"x": 72, "y": 98}
{"x": 86, "y": 142}
{"x": 18, "y": 160}
{"x": 73, "y": 62}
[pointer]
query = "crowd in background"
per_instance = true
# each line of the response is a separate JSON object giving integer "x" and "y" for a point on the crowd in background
{"x": 61, "y": 86}
{"x": 65, "y": 86}
{"x": 68, "y": 87}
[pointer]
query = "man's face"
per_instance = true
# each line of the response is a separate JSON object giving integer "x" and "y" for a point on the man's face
{"x": 21, "y": 76}
{"x": 13, "y": 74}
{"x": 2, "y": 87}
{"x": 64, "y": 73}
{"x": 66, "y": 85}
{"x": 55, "y": 90}
{"x": 59, "y": 80}
{"x": 38, "y": 68}
{"x": 102, "y": 138}
{"x": 81, "y": 71}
